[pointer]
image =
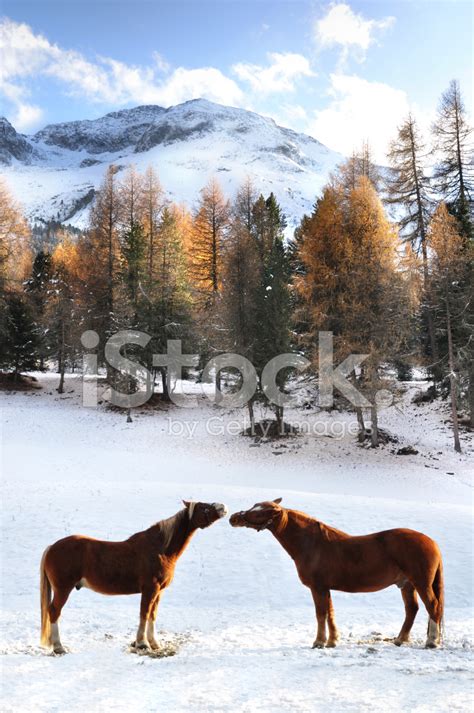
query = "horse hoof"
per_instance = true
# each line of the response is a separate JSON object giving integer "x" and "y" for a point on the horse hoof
{"x": 431, "y": 645}
{"x": 331, "y": 645}
{"x": 398, "y": 642}
{"x": 59, "y": 651}
{"x": 142, "y": 647}
{"x": 318, "y": 645}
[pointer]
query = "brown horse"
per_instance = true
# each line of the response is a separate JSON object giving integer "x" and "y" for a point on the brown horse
{"x": 143, "y": 564}
{"x": 327, "y": 558}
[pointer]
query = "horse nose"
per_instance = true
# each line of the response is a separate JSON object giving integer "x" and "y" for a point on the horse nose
{"x": 221, "y": 509}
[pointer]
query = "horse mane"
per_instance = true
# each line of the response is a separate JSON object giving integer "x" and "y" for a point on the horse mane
{"x": 163, "y": 530}
{"x": 331, "y": 534}
{"x": 328, "y": 533}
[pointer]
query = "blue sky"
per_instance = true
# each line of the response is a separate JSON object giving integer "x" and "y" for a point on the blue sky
{"x": 341, "y": 71}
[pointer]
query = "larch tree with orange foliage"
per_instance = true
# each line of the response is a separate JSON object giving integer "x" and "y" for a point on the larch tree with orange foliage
{"x": 451, "y": 296}
{"x": 351, "y": 285}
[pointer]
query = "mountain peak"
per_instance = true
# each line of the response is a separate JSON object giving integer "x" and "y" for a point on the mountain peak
{"x": 187, "y": 143}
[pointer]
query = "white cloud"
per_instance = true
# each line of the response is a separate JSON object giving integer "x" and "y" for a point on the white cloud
{"x": 360, "y": 110}
{"x": 342, "y": 27}
{"x": 26, "y": 55}
{"x": 27, "y": 117}
{"x": 279, "y": 76}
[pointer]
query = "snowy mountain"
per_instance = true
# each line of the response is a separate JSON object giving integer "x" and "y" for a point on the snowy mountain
{"x": 55, "y": 172}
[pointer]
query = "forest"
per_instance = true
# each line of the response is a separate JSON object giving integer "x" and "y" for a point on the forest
{"x": 384, "y": 262}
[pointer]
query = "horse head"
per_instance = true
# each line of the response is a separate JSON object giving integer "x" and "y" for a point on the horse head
{"x": 259, "y": 517}
{"x": 204, "y": 514}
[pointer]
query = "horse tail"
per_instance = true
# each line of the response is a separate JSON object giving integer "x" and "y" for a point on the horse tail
{"x": 438, "y": 589}
{"x": 45, "y": 598}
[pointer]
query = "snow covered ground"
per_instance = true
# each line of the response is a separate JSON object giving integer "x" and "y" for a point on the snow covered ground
{"x": 242, "y": 623}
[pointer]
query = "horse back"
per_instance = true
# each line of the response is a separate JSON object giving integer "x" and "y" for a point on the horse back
{"x": 106, "y": 567}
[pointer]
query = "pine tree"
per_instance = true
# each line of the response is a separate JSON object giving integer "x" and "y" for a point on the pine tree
{"x": 454, "y": 171}
{"x": 20, "y": 343}
{"x": 37, "y": 289}
{"x": 272, "y": 296}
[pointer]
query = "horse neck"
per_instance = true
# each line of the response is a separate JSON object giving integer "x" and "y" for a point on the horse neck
{"x": 176, "y": 531}
{"x": 294, "y": 530}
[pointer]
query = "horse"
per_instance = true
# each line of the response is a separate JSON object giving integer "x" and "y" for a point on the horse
{"x": 327, "y": 558}
{"x": 144, "y": 564}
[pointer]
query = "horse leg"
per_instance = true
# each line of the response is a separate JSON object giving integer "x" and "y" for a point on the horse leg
{"x": 333, "y": 632}
{"x": 411, "y": 608}
{"x": 430, "y": 601}
{"x": 321, "y": 603}
{"x": 146, "y": 604}
{"x": 59, "y": 600}
{"x": 150, "y": 628}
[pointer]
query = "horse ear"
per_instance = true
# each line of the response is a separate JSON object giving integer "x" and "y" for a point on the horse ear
{"x": 186, "y": 503}
{"x": 277, "y": 501}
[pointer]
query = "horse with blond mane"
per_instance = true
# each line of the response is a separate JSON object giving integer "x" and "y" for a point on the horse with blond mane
{"x": 144, "y": 564}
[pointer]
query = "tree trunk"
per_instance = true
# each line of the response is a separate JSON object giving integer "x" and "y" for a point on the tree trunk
{"x": 452, "y": 379}
{"x": 279, "y": 419}
{"x": 374, "y": 433}
{"x": 61, "y": 363}
{"x": 251, "y": 416}
{"x": 164, "y": 381}
{"x": 360, "y": 421}
{"x": 471, "y": 392}
{"x": 218, "y": 394}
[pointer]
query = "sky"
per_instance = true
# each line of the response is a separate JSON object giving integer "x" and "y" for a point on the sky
{"x": 343, "y": 72}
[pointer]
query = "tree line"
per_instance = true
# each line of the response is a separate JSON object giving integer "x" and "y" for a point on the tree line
{"x": 223, "y": 278}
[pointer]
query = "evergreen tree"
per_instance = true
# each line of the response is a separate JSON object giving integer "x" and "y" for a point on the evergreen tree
{"x": 37, "y": 290}
{"x": 272, "y": 296}
{"x": 20, "y": 343}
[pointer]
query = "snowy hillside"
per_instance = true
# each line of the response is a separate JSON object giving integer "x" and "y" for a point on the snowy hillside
{"x": 237, "y": 614}
{"x": 54, "y": 173}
